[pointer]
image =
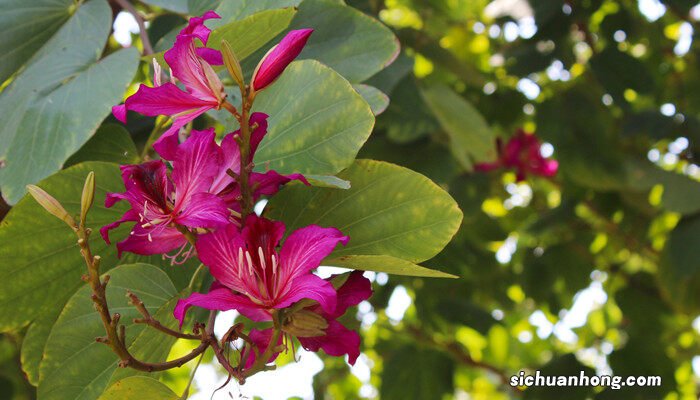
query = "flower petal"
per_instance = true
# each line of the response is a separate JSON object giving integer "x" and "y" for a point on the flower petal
{"x": 129, "y": 215}
{"x": 305, "y": 248}
{"x": 221, "y": 299}
{"x": 231, "y": 159}
{"x": 219, "y": 252}
{"x": 270, "y": 182}
{"x": 338, "y": 340}
{"x": 158, "y": 239}
{"x": 309, "y": 286}
{"x": 275, "y": 62}
{"x": 211, "y": 56}
{"x": 188, "y": 68}
{"x": 166, "y": 99}
{"x": 197, "y": 161}
{"x": 196, "y": 27}
{"x": 167, "y": 143}
{"x": 204, "y": 210}
{"x": 355, "y": 289}
{"x": 259, "y": 120}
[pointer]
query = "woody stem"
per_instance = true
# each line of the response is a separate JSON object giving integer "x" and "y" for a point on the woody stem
{"x": 245, "y": 167}
{"x": 260, "y": 363}
{"x": 116, "y": 334}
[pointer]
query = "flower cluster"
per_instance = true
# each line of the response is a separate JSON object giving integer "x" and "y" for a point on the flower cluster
{"x": 522, "y": 154}
{"x": 196, "y": 200}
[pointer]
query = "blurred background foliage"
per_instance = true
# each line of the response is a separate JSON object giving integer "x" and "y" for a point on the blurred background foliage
{"x": 596, "y": 269}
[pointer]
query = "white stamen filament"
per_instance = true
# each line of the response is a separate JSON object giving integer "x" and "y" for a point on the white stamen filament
{"x": 240, "y": 261}
{"x": 250, "y": 262}
{"x": 261, "y": 256}
{"x": 274, "y": 265}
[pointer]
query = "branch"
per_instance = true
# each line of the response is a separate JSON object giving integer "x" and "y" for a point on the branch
{"x": 147, "y": 48}
{"x": 152, "y": 322}
{"x": 458, "y": 353}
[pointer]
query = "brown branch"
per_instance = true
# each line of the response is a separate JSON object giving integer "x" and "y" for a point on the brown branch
{"x": 152, "y": 322}
{"x": 147, "y": 48}
{"x": 457, "y": 352}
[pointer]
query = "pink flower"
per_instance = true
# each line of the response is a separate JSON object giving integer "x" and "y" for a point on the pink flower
{"x": 279, "y": 57}
{"x": 191, "y": 65}
{"x": 159, "y": 203}
{"x": 318, "y": 329}
{"x": 254, "y": 278}
{"x": 264, "y": 184}
{"x": 521, "y": 153}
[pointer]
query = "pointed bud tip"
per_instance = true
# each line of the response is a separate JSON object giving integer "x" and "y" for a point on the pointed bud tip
{"x": 51, "y": 205}
{"x": 279, "y": 57}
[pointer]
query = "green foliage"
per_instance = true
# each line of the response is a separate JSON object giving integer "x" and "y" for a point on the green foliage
{"x": 389, "y": 210}
{"x": 305, "y": 134}
{"x": 138, "y": 387}
{"x": 74, "y": 365}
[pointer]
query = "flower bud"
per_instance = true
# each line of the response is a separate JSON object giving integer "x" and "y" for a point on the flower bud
{"x": 306, "y": 324}
{"x": 87, "y": 198}
{"x": 232, "y": 64}
{"x": 51, "y": 205}
{"x": 278, "y": 58}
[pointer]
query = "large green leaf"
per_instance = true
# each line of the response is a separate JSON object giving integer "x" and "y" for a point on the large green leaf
{"x": 388, "y": 264}
{"x": 235, "y": 10}
{"x": 680, "y": 266}
{"x": 75, "y": 366}
{"x": 111, "y": 143}
{"x": 389, "y": 210}
{"x": 57, "y": 102}
{"x": 471, "y": 139}
{"x": 137, "y": 388}
{"x": 27, "y": 26}
{"x": 318, "y": 130}
{"x": 352, "y": 43}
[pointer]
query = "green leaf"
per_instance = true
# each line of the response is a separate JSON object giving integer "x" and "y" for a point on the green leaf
{"x": 327, "y": 181}
{"x": 251, "y": 33}
{"x": 407, "y": 118}
{"x": 321, "y": 130}
{"x": 388, "y": 264}
{"x": 32, "y": 24}
{"x": 412, "y": 372}
{"x": 389, "y": 210}
{"x": 679, "y": 268}
{"x": 377, "y": 100}
{"x": 60, "y": 98}
{"x": 236, "y": 10}
{"x": 471, "y": 139}
{"x": 199, "y": 7}
{"x": 618, "y": 71}
{"x": 75, "y": 366}
{"x": 111, "y": 143}
{"x": 352, "y": 43}
{"x": 681, "y": 194}
{"x": 179, "y": 6}
{"x": 137, "y": 388}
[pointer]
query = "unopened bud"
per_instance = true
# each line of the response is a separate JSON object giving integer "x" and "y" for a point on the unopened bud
{"x": 279, "y": 57}
{"x": 306, "y": 324}
{"x": 87, "y": 198}
{"x": 51, "y": 205}
{"x": 232, "y": 64}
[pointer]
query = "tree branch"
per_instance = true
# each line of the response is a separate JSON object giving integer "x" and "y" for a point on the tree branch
{"x": 126, "y": 5}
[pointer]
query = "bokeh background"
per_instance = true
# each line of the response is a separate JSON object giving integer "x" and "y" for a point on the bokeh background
{"x": 596, "y": 269}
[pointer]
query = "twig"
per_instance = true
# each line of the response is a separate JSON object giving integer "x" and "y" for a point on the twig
{"x": 147, "y": 48}
{"x": 152, "y": 322}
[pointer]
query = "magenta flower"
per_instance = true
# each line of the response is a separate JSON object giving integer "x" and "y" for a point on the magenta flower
{"x": 160, "y": 203}
{"x": 318, "y": 329}
{"x": 254, "y": 278}
{"x": 191, "y": 65}
{"x": 279, "y": 57}
{"x": 521, "y": 153}
{"x": 264, "y": 184}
